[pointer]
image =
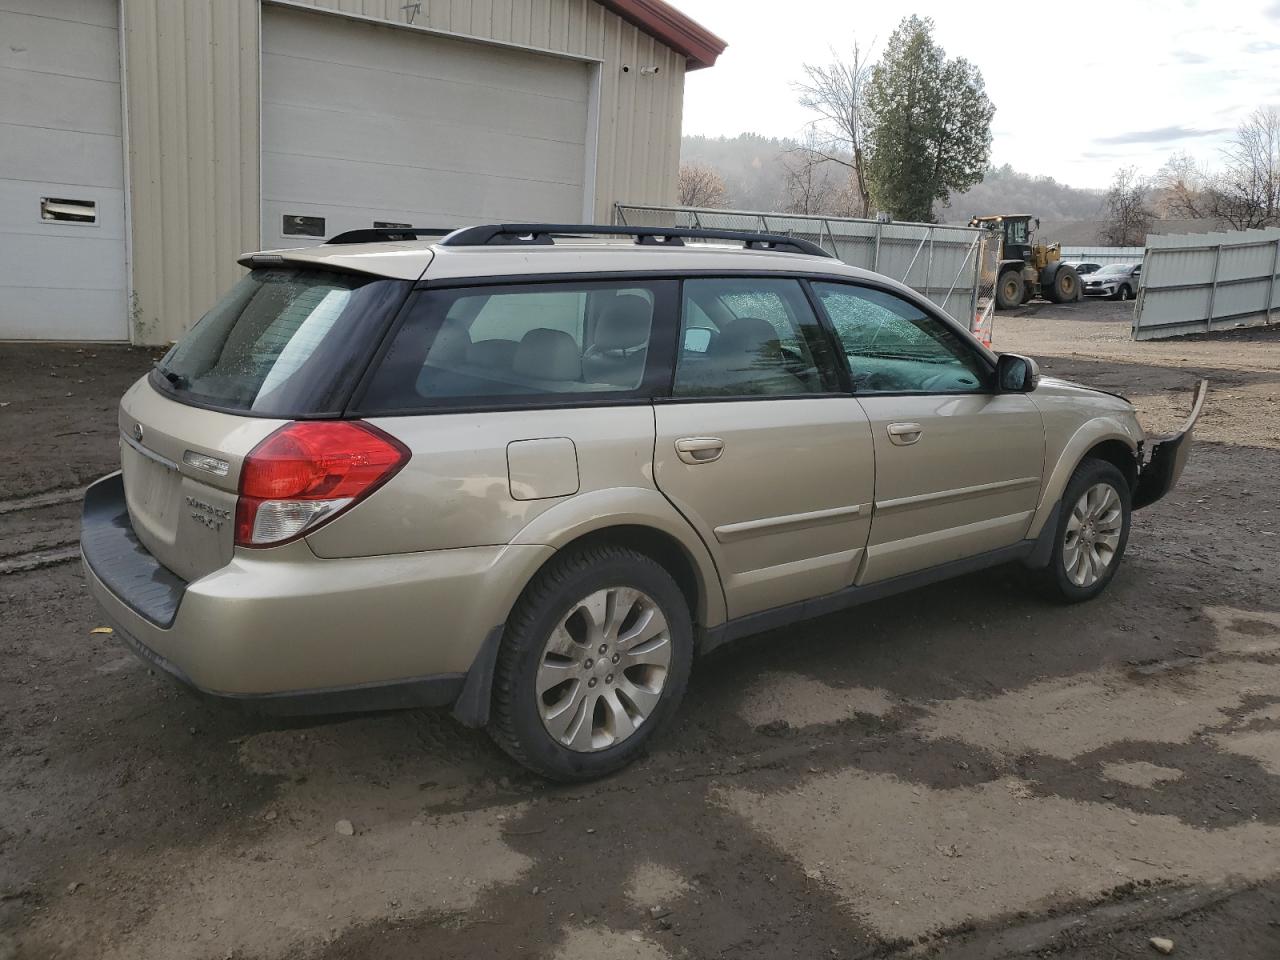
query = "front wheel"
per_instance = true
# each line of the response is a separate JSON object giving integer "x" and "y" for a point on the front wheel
{"x": 594, "y": 660}
{"x": 1093, "y": 530}
{"x": 1123, "y": 294}
{"x": 1009, "y": 290}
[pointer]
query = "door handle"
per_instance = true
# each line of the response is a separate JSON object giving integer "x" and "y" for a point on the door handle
{"x": 904, "y": 434}
{"x": 699, "y": 449}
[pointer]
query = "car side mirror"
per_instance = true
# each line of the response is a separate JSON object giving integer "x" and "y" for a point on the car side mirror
{"x": 1016, "y": 373}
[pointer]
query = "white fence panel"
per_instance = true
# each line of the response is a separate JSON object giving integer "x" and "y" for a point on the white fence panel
{"x": 940, "y": 262}
{"x": 1103, "y": 255}
{"x": 1195, "y": 283}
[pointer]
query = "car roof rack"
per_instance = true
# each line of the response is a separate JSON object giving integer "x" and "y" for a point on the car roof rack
{"x": 543, "y": 234}
{"x": 389, "y": 234}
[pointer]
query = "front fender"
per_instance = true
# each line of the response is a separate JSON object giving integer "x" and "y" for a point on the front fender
{"x": 1090, "y": 433}
{"x": 630, "y": 506}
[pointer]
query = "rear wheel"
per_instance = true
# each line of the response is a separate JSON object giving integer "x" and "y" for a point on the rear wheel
{"x": 1093, "y": 530}
{"x": 1009, "y": 290}
{"x": 594, "y": 660}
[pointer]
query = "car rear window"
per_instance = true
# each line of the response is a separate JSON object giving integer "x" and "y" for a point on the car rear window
{"x": 514, "y": 344}
{"x": 283, "y": 342}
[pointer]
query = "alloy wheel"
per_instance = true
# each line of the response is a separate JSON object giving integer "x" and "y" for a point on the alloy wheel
{"x": 1093, "y": 535}
{"x": 603, "y": 669}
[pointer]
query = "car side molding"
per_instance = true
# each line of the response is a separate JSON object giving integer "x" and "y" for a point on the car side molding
{"x": 1034, "y": 553}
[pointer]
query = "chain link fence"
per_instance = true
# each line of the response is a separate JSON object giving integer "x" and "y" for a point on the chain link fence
{"x": 984, "y": 313}
{"x": 941, "y": 262}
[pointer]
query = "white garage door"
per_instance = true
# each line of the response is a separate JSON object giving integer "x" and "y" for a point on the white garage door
{"x": 364, "y": 124}
{"x": 62, "y": 249}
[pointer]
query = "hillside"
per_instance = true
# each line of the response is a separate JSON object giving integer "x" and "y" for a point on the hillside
{"x": 755, "y": 177}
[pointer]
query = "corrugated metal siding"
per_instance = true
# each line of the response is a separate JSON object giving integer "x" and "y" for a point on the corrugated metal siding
{"x": 192, "y": 97}
{"x": 1104, "y": 255}
{"x": 1194, "y": 283}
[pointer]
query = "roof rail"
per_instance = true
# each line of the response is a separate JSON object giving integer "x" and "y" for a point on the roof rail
{"x": 542, "y": 234}
{"x": 387, "y": 234}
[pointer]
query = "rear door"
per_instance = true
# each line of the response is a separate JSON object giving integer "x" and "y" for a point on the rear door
{"x": 759, "y": 448}
{"x": 958, "y": 464}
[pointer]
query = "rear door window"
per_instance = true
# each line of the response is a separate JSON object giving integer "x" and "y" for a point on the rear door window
{"x": 282, "y": 343}
{"x": 551, "y": 342}
{"x": 746, "y": 337}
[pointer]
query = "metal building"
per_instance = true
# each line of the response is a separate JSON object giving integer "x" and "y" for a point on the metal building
{"x": 144, "y": 144}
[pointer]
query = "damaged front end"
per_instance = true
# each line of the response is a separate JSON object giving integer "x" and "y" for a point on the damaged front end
{"x": 1161, "y": 460}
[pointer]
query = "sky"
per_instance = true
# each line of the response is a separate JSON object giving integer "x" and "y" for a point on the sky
{"x": 1083, "y": 90}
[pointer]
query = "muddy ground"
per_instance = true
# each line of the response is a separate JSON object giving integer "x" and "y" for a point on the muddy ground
{"x": 966, "y": 772}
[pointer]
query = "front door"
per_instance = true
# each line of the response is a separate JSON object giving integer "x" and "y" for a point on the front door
{"x": 958, "y": 465}
{"x": 758, "y": 448}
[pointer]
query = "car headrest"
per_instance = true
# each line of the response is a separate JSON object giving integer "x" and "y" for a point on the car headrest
{"x": 547, "y": 354}
{"x": 450, "y": 345}
{"x": 625, "y": 323}
{"x": 497, "y": 354}
{"x": 747, "y": 335}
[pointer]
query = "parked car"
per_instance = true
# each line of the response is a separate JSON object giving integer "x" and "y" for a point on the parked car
{"x": 530, "y": 474}
{"x": 1117, "y": 281}
{"x": 1084, "y": 268}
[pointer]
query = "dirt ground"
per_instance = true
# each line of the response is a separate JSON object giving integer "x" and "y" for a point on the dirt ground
{"x": 967, "y": 772}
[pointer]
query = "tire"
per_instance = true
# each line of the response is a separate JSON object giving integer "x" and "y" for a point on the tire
{"x": 1009, "y": 290}
{"x": 1086, "y": 497}
{"x": 618, "y": 708}
{"x": 1063, "y": 286}
{"x": 1124, "y": 293}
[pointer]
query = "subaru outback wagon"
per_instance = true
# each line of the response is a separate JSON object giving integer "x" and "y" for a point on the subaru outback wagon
{"x": 530, "y": 471}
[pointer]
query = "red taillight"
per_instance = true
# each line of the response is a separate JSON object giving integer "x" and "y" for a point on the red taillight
{"x": 307, "y": 473}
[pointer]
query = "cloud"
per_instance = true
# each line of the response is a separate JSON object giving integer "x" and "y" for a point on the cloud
{"x": 1273, "y": 11}
{"x": 1262, "y": 46}
{"x": 1161, "y": 135}
{"x": 1189, "y": 56}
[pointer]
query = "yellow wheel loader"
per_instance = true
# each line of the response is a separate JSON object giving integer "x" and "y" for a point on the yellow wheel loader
{"x": 1027, "y": 269}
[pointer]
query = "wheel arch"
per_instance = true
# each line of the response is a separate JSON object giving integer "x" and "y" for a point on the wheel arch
{"x": 645, "y": 521}
{"x": 1120, "y": 455}
{"x": 1102, "y": 439}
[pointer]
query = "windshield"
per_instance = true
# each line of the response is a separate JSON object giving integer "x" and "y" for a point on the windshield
{"x": 283, "y": 342}
{"x": 1115, "y": 270}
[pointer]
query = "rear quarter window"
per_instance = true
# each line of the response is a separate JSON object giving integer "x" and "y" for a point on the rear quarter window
{"x": 524, "y": 344}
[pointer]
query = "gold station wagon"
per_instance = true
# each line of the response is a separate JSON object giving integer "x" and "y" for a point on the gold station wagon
{"x": 530, "y": 471}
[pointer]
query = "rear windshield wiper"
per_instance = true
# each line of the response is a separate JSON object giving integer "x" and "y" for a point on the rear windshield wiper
{"x": 179, "y": 381}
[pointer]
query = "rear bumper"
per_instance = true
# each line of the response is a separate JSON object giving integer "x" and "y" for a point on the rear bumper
{"x": 290, "y": 633}
{"x": 1169, "y": 455}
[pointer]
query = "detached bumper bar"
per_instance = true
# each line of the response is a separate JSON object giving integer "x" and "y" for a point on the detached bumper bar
{"x": 1169, "y": 455}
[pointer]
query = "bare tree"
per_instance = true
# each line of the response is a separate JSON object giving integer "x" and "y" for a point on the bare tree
{"x": 701, "y": 186}
{"x": 1249, "y": 188}
{"x": 836, "y": 91}
{"x": 1185, "y": 190}
{"x": 807, "y": 189}
{"x": 1128, "y": 212}
{"x": 1245, "y": 193}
